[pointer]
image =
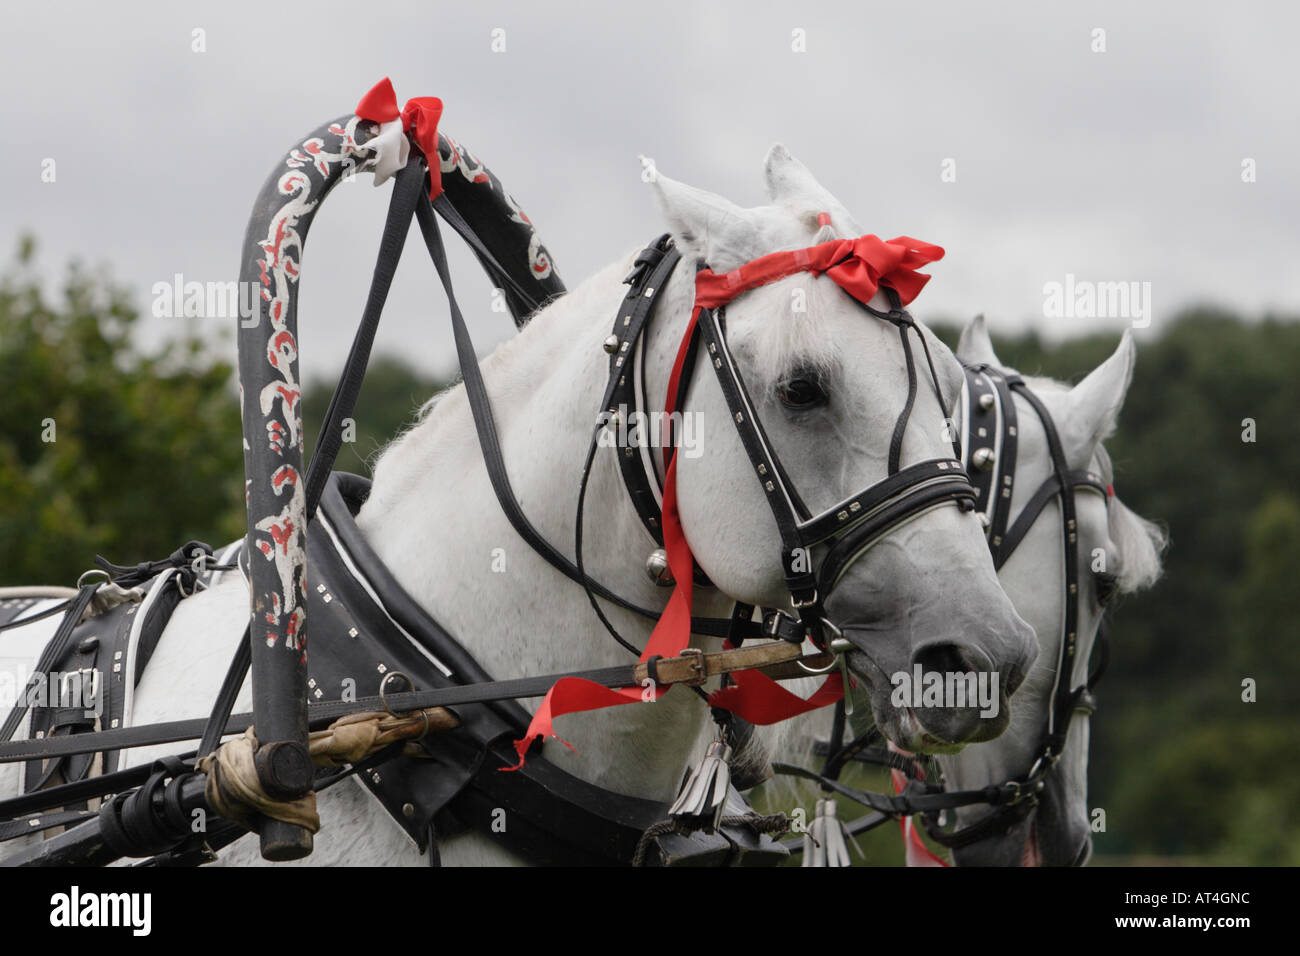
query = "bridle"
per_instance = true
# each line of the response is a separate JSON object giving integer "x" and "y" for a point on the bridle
{"x": 846, "y": 529}
{"x": 991, "y": 437}
{"x": 992, "y": 432}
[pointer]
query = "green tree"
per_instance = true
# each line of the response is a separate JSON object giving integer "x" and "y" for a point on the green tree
{"x": 105, "y": 448}
{"x": 390, "y": 397}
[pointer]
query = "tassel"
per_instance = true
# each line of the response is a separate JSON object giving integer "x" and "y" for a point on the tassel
{"x": 825, "y": 842}
{"x": 704, "y": 793}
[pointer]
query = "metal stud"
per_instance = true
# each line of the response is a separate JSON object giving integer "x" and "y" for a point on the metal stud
{"x": 984, "y": 521}
{"x": 408, "y": 810}
{"x": 611, "y": 344}
{"x": 982, "y": 458}
{"x": 986, "y": 401}
{"x": 656, "y": 566}
{"x": 768, "y": 485}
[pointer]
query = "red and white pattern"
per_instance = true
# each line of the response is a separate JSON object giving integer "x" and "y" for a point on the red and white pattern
{"x": 279, "y": 401}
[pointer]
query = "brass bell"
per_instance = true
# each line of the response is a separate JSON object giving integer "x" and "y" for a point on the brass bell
{"x": 611, "y": 344}
{"x": 656, "y": 566}
{"x": 982, "y": 458}
{"x": 986, "y": 401}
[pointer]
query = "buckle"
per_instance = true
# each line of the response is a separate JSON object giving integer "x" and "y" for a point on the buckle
{"x": 696, "y": 664}
{"x": 643, "y": 265}
{"x": 782, "y": 626}
{"x": 800, "y": 605}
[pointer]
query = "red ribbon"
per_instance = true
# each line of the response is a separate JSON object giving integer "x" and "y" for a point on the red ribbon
{"x": 672, "y": 632}
{"x": 419, "y": 117}
{"x": 755, "y": 697}
{"x": 914, "y": 848}
{"x": 859, "y": 266}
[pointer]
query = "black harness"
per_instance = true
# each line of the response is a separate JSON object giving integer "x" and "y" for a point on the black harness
{"x": 992, "y": 434}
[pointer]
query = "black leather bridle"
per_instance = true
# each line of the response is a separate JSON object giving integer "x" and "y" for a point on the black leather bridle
{"x": 848, "y": 528}
{"x": 992, "y": 432}
{"x": 991, "y": 437}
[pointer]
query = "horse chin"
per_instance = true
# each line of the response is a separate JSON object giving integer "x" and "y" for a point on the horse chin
{"x": 1064, "y": 837}
{"x": 1016, "y": 846}
{"x": 1048, "y": 836}
{"x": 899, "y": 725}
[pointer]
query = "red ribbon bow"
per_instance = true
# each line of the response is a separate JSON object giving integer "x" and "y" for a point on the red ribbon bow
{"x": 859, "y": 266}
{"x": 419, "y": 117}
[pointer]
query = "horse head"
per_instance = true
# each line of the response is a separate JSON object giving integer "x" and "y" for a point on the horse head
{"x": 834, "y": 387}
{"x": 1119, "y": 553}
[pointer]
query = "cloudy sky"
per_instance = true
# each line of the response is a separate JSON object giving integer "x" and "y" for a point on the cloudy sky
{"x": 1122, "y": 164}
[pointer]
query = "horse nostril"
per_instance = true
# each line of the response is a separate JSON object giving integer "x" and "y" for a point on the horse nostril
{"x": 948, "y": 659}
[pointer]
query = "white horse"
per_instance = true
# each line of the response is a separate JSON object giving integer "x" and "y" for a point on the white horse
{"x": 1119, "y": 553}
{"x": 434, "y": 520}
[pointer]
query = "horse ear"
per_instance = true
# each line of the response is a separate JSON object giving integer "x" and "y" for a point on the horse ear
{"x": 790, "y": 184}
{"x": 975, "y": 347}
{"x": 706, "y": 227}
{"x": 1096, "y": 401}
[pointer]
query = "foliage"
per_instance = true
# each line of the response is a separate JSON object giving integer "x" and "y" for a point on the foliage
{"x": 104, "y": 448}
{"x": 1182, "y": 765}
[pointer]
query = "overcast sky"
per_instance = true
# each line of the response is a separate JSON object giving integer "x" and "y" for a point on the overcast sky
{"x": 1122, "y": 165}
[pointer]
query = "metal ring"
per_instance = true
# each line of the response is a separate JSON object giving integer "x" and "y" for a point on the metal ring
{"x": 383, "y": 690}
{"x": 107, "y": 577}
{"x": 835, "y": 656}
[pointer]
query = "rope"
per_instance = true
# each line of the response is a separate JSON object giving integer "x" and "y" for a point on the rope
{"x": 234, "y": 792}
{"x": 773, "y": 824}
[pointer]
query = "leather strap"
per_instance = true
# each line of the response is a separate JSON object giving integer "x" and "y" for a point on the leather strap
{"x": 322, "y": 714}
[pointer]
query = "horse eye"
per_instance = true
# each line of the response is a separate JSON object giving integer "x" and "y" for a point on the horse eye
{"x": 802, "y": 393}
{"x": 1106, "y": 584}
